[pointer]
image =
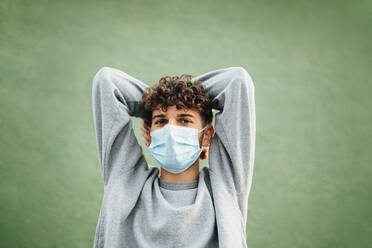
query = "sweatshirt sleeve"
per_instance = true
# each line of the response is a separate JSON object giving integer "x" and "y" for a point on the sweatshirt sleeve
{"x": 231, "y": 153}
{"x": 116, "y": 96}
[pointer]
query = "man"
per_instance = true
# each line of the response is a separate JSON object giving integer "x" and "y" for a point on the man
{"x": 184, "y": 207}
{"x": 177, "y": 102}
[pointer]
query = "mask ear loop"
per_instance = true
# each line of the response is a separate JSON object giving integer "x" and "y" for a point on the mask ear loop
{"x": 203, "y": 133}
{"x": 203, "y": 128}
{"x": 202, "y": 136}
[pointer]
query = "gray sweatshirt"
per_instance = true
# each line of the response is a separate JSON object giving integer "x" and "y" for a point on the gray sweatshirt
{"x": 138, "y": 208}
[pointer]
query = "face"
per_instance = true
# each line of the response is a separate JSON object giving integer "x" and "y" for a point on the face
{"x": 181, "y": 117}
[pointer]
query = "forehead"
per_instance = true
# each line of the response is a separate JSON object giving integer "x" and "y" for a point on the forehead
{"x": 172, "y": 110}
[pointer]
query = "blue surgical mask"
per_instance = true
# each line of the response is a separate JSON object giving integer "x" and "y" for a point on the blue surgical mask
{"x": 175, "y": 148}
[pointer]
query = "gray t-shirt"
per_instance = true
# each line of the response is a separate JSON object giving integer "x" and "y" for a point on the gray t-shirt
{"x": 138, "y": 208}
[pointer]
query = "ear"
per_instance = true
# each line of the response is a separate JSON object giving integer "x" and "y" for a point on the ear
{"x": 204, "y": 153}
{"x": 207, "y": 139}
{"x": 208, "y": 135}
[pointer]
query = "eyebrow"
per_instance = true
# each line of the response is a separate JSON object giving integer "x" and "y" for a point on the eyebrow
{"x": 156, "y": 116}
{"x": 184, "y": 115}
{"x": 179, "y": 115}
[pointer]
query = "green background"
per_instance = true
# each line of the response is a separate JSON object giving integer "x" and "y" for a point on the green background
{"x": 310, "y": 62}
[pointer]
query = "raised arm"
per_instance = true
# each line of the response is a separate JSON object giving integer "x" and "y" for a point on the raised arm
{"x": 116, "y": 96}
{"x": 231, "y": 155}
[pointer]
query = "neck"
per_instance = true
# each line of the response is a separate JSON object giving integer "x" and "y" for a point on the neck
{"x": 188, "y": 175}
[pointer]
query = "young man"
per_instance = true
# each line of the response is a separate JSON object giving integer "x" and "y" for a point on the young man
{"x": 184, "y": 207}
{"x": 177, "y": 108}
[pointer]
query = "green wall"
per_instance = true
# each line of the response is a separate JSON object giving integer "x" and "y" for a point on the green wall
{"x": 310, "y": 62}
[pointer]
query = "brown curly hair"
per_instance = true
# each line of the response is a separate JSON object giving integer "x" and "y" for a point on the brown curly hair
{"x": 179, "y": 91}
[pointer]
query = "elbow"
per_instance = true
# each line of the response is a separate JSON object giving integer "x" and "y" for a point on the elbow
{"x": 101, "y": 74}
{"x": 100, "y": 77}
{"x": 241, "y": 75}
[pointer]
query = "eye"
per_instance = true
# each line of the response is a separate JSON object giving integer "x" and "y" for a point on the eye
{"x": 159, "y": 121}
{"x": 187, "y": 121}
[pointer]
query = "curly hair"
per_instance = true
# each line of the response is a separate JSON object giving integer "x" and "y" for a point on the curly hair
{"x": 179, "y": 91}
